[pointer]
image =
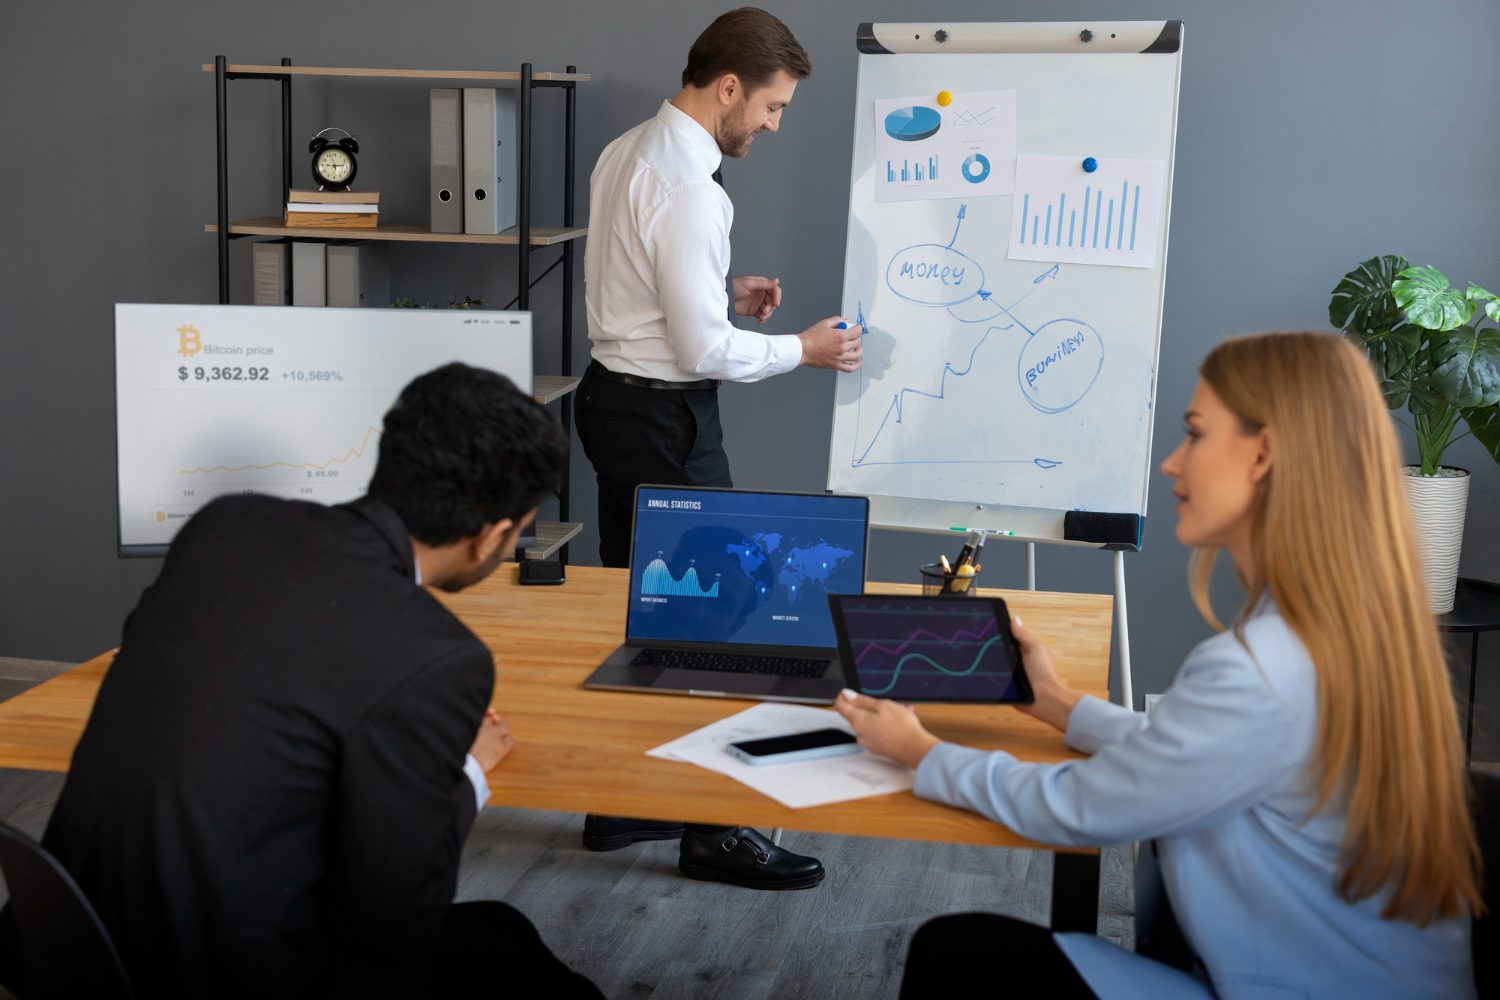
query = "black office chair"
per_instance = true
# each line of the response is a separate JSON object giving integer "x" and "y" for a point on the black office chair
{"x": 61, "y": 946}
{"x": 1486, "y": 930}
{"x": 1157, "y": 933}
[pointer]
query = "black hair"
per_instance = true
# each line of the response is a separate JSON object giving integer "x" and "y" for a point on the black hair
{"x": 463, "y": 448}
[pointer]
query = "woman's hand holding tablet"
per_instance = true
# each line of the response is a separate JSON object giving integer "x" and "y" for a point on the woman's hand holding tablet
{"x": 909, "y": 648}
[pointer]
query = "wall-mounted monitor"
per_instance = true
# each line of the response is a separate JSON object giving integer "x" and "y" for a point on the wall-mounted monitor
{"x": 284, "y": 401}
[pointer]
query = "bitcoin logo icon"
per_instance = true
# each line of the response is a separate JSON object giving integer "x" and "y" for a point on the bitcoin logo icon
{"x": 189, "y": 340}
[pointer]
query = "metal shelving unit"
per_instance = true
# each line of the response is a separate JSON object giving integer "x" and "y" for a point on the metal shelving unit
{"x": 552, "y": 537}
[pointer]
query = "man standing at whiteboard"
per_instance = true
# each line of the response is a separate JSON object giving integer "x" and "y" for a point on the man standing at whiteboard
{"x": 655, "y": 274}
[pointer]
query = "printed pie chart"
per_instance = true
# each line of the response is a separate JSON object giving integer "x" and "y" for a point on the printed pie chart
{"x": 912, "y": 124}
{"x": 976, "y": 168}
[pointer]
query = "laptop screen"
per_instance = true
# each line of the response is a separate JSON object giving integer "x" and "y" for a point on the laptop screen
{"x": 739, "y": 567}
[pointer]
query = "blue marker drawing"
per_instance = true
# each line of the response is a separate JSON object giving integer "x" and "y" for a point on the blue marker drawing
{"x": 844, "y": 324}
{"x": 1057, "y": 366}
{"x": 962, "y": 211}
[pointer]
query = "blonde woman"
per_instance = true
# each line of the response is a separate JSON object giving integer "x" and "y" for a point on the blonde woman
{"x": 1302, "y": 778}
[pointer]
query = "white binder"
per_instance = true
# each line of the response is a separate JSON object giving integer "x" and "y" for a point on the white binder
{"x": 309, "y": 274}
{"x": 359, "y": 274}
{"x": 271, "y": 269}
{"x": 489, "y": 160}
{"x": 447, "y": 164}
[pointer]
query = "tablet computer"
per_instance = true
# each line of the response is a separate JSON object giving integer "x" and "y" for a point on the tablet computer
{"x": 911, "y": 648}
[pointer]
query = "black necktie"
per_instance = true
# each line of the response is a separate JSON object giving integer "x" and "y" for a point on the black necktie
{"x": 718, "y": 177}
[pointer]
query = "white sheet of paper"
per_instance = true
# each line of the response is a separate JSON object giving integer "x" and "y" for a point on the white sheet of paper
{"x": 797, "y": 786}
{"x": 1065, "y": 214}
{"x": 964, "y": 150}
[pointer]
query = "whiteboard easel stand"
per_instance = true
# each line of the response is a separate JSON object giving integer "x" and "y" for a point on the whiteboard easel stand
{"x": 1122, "y": 624}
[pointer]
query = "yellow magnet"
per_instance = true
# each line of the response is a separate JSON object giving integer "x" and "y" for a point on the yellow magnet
{"x": 944, "y": 98}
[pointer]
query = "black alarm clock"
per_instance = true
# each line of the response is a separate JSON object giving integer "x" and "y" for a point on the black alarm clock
{"x": 333, "y": 163}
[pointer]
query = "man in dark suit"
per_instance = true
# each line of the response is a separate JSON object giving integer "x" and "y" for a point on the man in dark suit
{"x": 273, "y": 789}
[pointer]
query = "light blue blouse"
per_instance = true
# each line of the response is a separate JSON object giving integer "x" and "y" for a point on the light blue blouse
{"x": 1218, "y": 774}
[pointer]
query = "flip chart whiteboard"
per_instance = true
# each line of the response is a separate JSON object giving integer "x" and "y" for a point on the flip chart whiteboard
{"x": 1007, "y": 245}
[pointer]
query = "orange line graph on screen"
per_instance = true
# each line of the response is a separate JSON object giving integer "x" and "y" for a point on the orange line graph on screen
{"x": 356, "y": 452}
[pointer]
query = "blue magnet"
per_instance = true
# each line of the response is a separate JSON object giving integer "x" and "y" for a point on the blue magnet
{"x": 1090, "y": 165}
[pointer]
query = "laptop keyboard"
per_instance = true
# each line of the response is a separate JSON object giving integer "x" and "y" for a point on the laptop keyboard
{"x": 736, "y": 663}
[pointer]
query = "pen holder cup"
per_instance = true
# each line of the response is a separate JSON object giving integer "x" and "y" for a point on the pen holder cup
{"x": 937, "y": 583}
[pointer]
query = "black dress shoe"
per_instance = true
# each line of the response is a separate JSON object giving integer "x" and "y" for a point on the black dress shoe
{"x": 610, "y": 833}
{"x": 743, "y": 857}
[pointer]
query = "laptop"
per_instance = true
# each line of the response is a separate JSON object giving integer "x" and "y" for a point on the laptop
{"x": 729, "y": 593}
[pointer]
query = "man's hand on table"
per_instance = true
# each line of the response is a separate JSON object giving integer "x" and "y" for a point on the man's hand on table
{"x": 493, "y": 742}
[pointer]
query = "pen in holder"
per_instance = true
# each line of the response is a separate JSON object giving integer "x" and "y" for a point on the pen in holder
{"x": 937, "y": 582}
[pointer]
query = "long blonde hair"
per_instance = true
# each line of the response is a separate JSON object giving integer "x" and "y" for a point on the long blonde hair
{"x": 1334, "y": 547}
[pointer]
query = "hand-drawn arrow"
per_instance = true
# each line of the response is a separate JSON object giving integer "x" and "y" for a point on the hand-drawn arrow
{"x": 962, "y": 211}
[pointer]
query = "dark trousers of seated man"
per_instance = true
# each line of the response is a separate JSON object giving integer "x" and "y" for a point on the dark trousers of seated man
{"x": 634, "y": 434}
{"x": 984, "y": 955}
{"x": 481, "y": 947}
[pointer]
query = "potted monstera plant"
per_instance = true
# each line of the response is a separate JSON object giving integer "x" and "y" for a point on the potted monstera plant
{"x": 1437, "y": 359}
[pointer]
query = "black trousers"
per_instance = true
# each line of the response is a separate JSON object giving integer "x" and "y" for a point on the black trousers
{"x": 484, "y": 949}
{"x": 634, "y": 435}
{"x": 489, "y": 949}
{"x": 987, "y": 955}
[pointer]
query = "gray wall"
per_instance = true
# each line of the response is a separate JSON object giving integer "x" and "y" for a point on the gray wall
{"x": 1359, "y": 131}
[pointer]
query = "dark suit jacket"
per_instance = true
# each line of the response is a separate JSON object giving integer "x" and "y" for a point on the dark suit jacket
{"x": 269, "y": 797}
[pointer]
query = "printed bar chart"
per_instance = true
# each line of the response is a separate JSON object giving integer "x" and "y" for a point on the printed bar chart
{"x": 1064, "y": 213}
{"x": 1120, "y": 226}
{"x": 909, "y": 171}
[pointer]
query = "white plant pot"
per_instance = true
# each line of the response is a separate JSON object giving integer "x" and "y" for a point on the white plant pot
{"x": 1438, "y": 506}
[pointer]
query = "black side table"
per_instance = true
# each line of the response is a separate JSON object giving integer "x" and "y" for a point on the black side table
{"x": 1476, "y": 609}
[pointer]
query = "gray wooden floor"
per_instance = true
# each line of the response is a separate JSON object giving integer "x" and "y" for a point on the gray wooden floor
{"x": 638, "y": 929}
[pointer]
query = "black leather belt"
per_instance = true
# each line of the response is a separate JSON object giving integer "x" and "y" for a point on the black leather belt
{"x": 640, "y": 381}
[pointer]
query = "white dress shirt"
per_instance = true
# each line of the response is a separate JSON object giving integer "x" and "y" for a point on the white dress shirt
{"x": 472, "y": 770}
{"x": 657, "y": 259}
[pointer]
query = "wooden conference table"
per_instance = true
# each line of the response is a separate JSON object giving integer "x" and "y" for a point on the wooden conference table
{"x": 585, "y": 751}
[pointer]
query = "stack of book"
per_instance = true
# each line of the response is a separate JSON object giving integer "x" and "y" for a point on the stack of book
{"x": 333, "y": 209}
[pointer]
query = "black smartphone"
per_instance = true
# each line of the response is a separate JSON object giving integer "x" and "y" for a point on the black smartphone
{"x": 542, "y": 571}
{"x": 795, "y": 746}
{"x": 910, "y": 648}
